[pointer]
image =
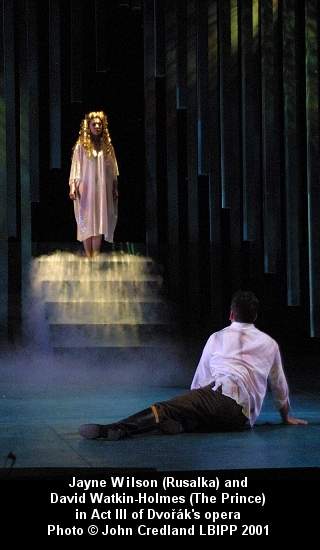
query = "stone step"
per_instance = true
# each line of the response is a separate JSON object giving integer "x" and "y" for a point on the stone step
{"x": 114, "y": 335}
{"x": 79, "y": 290}
{"x": 116, "y": 258}
{"x": 99, "y": 276}
{"x": 108, "y": 312}
{"x": 129, "y": 270}
{"x": 76, "y": 248}
{"x": 112, "y": 301}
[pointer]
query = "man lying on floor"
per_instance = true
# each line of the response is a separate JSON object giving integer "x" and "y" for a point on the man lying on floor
{"x": 228, "y": 388}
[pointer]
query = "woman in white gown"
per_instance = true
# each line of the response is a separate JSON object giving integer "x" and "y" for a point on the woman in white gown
{"x": 93, "y": 183}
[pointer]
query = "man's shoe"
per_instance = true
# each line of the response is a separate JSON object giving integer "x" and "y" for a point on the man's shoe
{"x": 139, "y": 423}
{"x": 99, "y": 431}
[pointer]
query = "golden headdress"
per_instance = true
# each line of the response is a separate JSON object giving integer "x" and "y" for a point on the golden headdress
{"x": 85, "y": 134}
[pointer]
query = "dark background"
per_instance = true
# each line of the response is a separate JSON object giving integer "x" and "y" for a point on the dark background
{"x": 101, "y": 68}
{"x": 213, "y": 110}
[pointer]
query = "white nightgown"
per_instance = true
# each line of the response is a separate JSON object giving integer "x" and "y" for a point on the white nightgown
{"x": 95, "y": 209}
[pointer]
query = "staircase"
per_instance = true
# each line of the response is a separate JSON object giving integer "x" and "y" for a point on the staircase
{"x": 108, "y": 309}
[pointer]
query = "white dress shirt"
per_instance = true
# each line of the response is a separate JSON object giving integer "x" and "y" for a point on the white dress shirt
{"x": 243, "y": 360}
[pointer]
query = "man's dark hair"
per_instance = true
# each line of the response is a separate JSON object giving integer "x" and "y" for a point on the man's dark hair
{"x": 244, "y": 306}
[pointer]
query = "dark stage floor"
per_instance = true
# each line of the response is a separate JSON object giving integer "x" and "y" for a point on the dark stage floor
{"x": 45, "y": 398}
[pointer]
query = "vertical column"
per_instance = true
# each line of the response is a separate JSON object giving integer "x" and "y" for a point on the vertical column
{"x": 3, "y": 184}
{"x": 313, "y": 165}
{"x": 55, "y": 83}
{"x": 10, "y": 117}
{"x": 182, "y": 155}
{"x": 25, "y": 148}
{"x": 270, "y": 135}
{"x": 161, "y": 130}
{"x": 251, "y": 140}
{"x": 250, "y": 85}
{"x": 150, "y": 130}
{"x": 292, "y": 154}
{"x": 203, "y": 155}
{"x": 33, "y": 63}
{"x": 192, "y": 122}
{"x": 225, "y": 122}
{"x": 214, "y": 162}
{"x": 182, "y": 55}
{"x": 171, "y": 103}
{"x": 172, "y": 158}
{"x": 76, "y": 45}
{"x": 192, "y": 159}
{"x": 159, "y": 38}
{"x": 230, "y": 135}
{"x": 100, "y": 35}
{"x": 202, "y": 69}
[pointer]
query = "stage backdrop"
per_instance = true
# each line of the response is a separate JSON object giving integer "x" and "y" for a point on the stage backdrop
{"x": 232, "y": 149}
{"x": 214, "y": 114}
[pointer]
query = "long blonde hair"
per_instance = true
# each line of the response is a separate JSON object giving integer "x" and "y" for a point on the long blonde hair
{"x": 85, "y": 136}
